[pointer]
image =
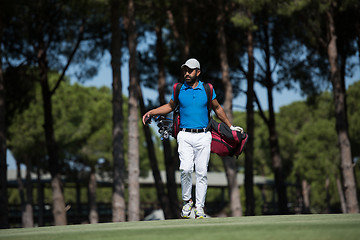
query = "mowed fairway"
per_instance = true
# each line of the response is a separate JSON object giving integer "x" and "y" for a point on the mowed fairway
{"x": 335, "y": 226}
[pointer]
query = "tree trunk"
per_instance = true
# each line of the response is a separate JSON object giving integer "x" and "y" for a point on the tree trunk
{"x": 328, "y": 205}
{"x": 21, "y": 191}
{"x": 234, "y": 193}
{"x": 358, "y": 37}
{"x": 118, "y": 196}
{"x": 229, "y": 162}
{"x": 27, "y": 219}
{"x": 159, "y": 185}
{"x": 250, "y": 125}
{"x": 276, "y": 158}
{"x": 172, "y": 208}
{"x": 40, "y": 197}
{"x": 93, "y": 213}
{"x": 78, "y": 200}
{"x": 347, "y": 165}
{"x": 222, "y": 48}
{"x": 58, "y": 201}
{"x": 184, "y": 49}
{"x": 185, "y": 15}
{"x": 306, "y": 196}
{"x": 299, "y": 197}
{"x": 341, "y": 195}
{"x": 4, "y": 211}
{"x": 57, "y": 193}
{"x": 29, "y": 213}
{"x": 133, "y": 120}
{"x": 273, "y": 138}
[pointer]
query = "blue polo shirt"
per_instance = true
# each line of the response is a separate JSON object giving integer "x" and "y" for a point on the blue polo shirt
{"x": 193, "y": 106}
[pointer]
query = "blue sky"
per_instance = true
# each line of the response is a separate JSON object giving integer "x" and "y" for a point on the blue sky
{"x": 104, "y": 78}
{"x": 285, "y": 97}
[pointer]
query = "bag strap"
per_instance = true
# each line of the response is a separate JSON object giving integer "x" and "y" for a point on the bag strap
{"x": 176, "y": 89}
{"x": 209, "y": 93}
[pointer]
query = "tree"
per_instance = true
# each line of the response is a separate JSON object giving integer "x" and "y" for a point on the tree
{"x": 270, "y": 43}
{"x": 243, "y": 18}
{"x": 118, "y": 198}
{"x": 150, "y": 59}
{"x": 229, "y": 162}
{"x": 317, "y": 161}
{"x": 154, "y": 58}
{"x": 353, "y": 94}
{"x": 168, "y": 153}
{"x": 341, "y": 118}
{"x": 171, "y": 200}
{"x": 133, "y": 118}
{"x": 322, "y": 36}
{"x": 316, "y": 157}
{"x": 84, "y": 136}
{"x": 26, "y": 202}
{"x": 57, "y": 31}
{"x": 25, "y": 138}
{"x": 4, "y": 211}
{"x": 82, "y": 129}
{"x": 161, "y": 195}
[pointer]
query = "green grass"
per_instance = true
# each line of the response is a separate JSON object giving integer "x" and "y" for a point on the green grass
{"x": 336, "y": 226}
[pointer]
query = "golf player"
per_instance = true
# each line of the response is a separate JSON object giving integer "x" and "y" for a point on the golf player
{"x": 194, "y": 141}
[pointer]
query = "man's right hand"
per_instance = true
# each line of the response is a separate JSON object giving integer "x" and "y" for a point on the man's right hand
{"x": 146, "y": 119}
{"x": 236, "y": 128}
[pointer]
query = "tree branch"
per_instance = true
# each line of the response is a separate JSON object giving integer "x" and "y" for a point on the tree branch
{"x": 261, "y": 112}
{"x": 259, "y": 64}
{"x": 243, "y": 70}
{"x": 80, "y": 38}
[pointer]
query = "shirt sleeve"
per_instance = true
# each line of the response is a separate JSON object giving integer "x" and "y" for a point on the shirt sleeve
{"x": 214, "y": 95}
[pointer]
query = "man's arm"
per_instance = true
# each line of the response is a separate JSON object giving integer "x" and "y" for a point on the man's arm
{"x": 220, "y": 113}
{"x": 162, "y": 110}
{"x": 222, "y": 116}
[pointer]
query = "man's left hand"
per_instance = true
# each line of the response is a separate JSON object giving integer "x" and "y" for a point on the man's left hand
{"x": 236, "y": 128}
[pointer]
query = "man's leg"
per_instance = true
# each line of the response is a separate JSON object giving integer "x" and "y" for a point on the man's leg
{"x": 186, "y": 156}
{"x": 202, "y": 156}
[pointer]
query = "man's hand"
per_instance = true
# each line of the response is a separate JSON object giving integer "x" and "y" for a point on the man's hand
{"x": 236, "y": 128}
{"x": 146, "y": 119}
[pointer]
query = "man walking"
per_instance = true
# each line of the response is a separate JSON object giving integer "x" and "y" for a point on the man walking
{"x": 194, "y": 142}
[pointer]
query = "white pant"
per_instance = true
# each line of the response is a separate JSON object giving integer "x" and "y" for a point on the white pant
{"x": 194, "y": 149}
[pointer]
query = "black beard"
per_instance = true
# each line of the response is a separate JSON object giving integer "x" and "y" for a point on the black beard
{"x": 191, "y": 80}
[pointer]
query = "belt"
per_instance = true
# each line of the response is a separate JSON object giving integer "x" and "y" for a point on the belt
{"x": 193, "y": 130}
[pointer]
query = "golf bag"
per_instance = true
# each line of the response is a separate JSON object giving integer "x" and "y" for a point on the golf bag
{"x": 226, "y": 142}
{"x": 176, "y": 112}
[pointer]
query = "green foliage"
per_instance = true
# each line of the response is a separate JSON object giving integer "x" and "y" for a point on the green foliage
{"x": 288, "y": 7}
{"x": 353, "y": 108}
{"x": 290, "y": 120}
{"x": 259, "y": 203}
{"x": 13, "y": 196}
{"x": 25, "y": 134}
{"x": 83, "y": 123}
{"x": 83, "y": 129}
{"x": 262, "y": 160}
{"x": 309, "y": 147}
{"x": 240, "y": 17}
